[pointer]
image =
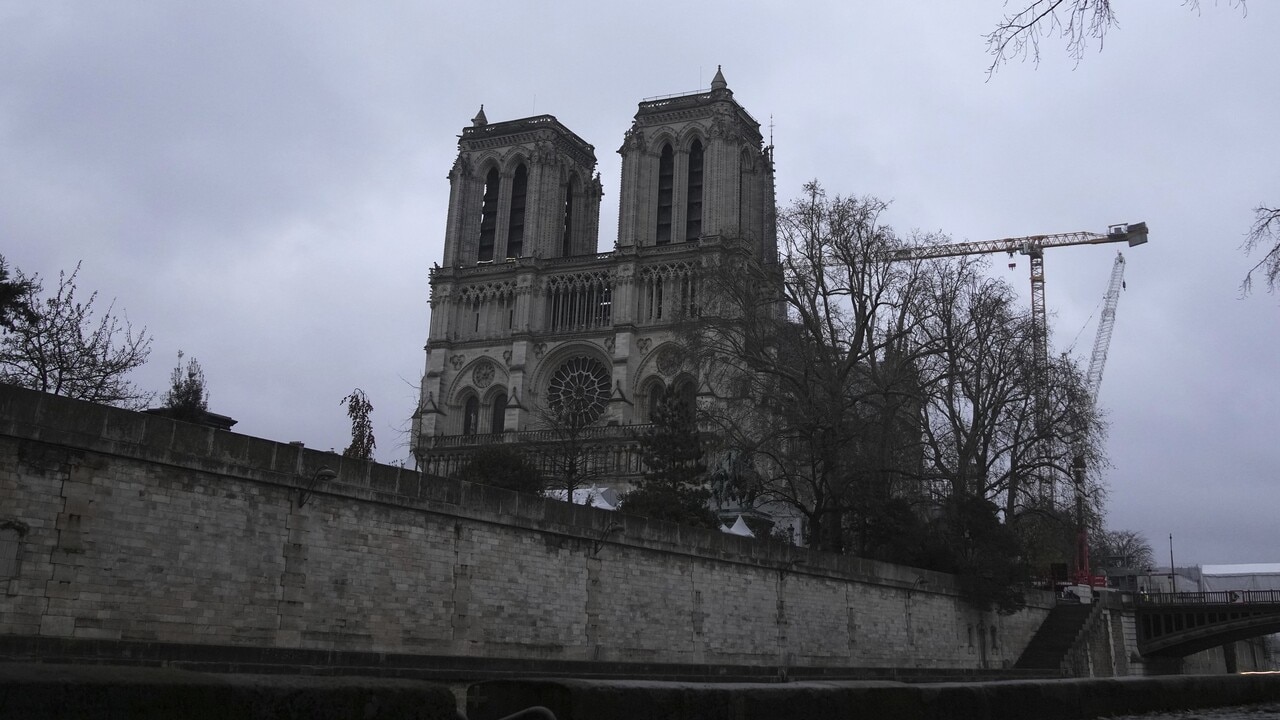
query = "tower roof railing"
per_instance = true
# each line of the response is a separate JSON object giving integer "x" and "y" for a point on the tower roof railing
{"x": 691, "y": 99}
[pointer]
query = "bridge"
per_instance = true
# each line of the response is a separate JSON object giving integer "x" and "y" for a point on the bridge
{"x": 1178, "y": 624}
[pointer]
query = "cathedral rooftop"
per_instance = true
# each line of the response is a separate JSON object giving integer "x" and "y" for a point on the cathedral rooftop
{"x": 718, "y": 92}
{"x": 482, "y": 130}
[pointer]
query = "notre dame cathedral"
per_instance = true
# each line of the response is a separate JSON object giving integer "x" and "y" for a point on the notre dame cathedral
{"x": 526, "y": 314}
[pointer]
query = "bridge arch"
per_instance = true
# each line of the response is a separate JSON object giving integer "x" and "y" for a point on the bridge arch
{"x": 1178, "y": 625}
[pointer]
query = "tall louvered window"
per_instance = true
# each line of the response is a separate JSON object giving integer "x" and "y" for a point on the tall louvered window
{"x": 515, "y": 225}
{"x": 566, "y": 243}
{"x": 666, "y": 188}
{"x": 693, "y": 200}
{"x": 488, "y": 217}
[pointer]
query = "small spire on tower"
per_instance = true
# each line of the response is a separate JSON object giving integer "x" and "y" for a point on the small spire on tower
{"x": 480, "y": 120}
{"x": 718, "y": 82}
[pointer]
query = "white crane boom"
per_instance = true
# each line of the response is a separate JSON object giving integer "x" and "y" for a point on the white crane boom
{"x": 1106, "y": 322}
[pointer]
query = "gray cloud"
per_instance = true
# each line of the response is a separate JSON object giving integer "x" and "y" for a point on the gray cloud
{"x": 263, "y": 187}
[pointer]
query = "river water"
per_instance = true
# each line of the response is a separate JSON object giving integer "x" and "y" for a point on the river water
{"x": 1266, "y": 711}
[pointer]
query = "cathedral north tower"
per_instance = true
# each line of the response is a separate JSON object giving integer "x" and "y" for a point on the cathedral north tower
{"x": 523, "y": 188}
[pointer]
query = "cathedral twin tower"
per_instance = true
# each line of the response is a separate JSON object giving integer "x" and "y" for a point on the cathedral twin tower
{"x": 527, "y": 318}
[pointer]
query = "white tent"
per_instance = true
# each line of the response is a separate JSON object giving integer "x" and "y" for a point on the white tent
{"x": 739, "y": 528}
{"x": 596, "y": 497}
{"x": 1254, "y": 576}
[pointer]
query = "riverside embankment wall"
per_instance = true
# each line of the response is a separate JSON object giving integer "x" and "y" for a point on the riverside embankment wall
{"x": 120, "y": 528}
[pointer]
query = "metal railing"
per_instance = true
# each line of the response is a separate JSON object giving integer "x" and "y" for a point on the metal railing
{"x": 1215, "y": 597}
{"x": 607, "y": 432}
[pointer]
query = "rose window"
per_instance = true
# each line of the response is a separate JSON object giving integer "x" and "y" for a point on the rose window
{"x": 579, "y": 390}
{"x": 483, "y": 374}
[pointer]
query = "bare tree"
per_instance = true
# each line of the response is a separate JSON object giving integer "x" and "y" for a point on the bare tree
{"x": 1127, "y": 548}
{"x": 61, "y": 347}
{"x": 999, "y": 422}
{"x": 1077, "y": 22}
{"x": 1019, "y": 33}
{"x": 1265, "y": 233}
{"x": 810, "y": 352}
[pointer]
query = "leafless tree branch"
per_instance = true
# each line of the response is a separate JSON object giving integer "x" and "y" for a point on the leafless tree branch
{"x": 1078, "y": 22}
{"x": 1265, "y": 233}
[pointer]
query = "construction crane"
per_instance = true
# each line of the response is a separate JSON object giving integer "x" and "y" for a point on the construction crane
{"x": 1033, "y": 247}
{"x": 1093, "y": 380}
{"x": 1106, "y": 322}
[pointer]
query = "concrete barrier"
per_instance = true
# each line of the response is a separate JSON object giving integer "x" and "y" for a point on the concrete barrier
{"x": 37, "y": 692}
{"x": 1009, "y": 700}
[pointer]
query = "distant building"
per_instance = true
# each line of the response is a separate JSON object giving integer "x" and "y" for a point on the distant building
{"x": 527, "y": 315}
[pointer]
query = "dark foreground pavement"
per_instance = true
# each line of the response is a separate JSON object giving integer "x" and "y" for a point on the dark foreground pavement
{"x": 1007, "y": 700}
{"x": 38, "y": 691}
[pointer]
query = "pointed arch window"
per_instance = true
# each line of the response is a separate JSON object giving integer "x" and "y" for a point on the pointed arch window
{"x": 666, "y": 190}
{"x": 471, "y": 416}
{"x": 498, "y": 419}
{"x": 566, "y": 242}
{"x": 656, "y": 391}
{"x": 693, "y": 199}
{"x": 515, "y": 223}
{"x": 686, "y": 395}
{"x": 488, "y": 217}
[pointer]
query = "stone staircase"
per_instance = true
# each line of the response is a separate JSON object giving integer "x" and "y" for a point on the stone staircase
{"x": 1055, "y": 638}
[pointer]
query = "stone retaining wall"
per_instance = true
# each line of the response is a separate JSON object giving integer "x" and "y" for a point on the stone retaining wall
{"x": 135, "y": 528}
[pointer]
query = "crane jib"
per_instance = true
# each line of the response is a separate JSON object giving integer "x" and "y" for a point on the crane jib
{"x": 1131, "y": 233}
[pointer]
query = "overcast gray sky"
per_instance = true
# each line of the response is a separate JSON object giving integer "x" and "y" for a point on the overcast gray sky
{"x": 263, "y": 186}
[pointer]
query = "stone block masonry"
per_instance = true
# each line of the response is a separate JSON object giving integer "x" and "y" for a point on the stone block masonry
{"x": 139, "y": 529}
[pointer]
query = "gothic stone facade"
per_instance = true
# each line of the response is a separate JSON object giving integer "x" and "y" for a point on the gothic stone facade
{"x": 527, "y": 315}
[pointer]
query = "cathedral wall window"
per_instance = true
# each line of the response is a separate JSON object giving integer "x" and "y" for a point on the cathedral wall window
{"x": 652, "y": 396}
{"x": 566, "y": 242}
{"x": 666, "y": 193}
{"x": 471, "y": 416}
{"x": 745, "y": 204}
{"x": 578, "y": 391}
{"x": 498, "y": 414}
{"x": 488, "y": 217}
{"x": 667, "y": 292}
{"x": 580, "y": 301}
{"x": 515, "y": 221}
{"x": 485, "y": 310}
{"x": 686, "y": 393}
{"x": 693, "y": 196}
